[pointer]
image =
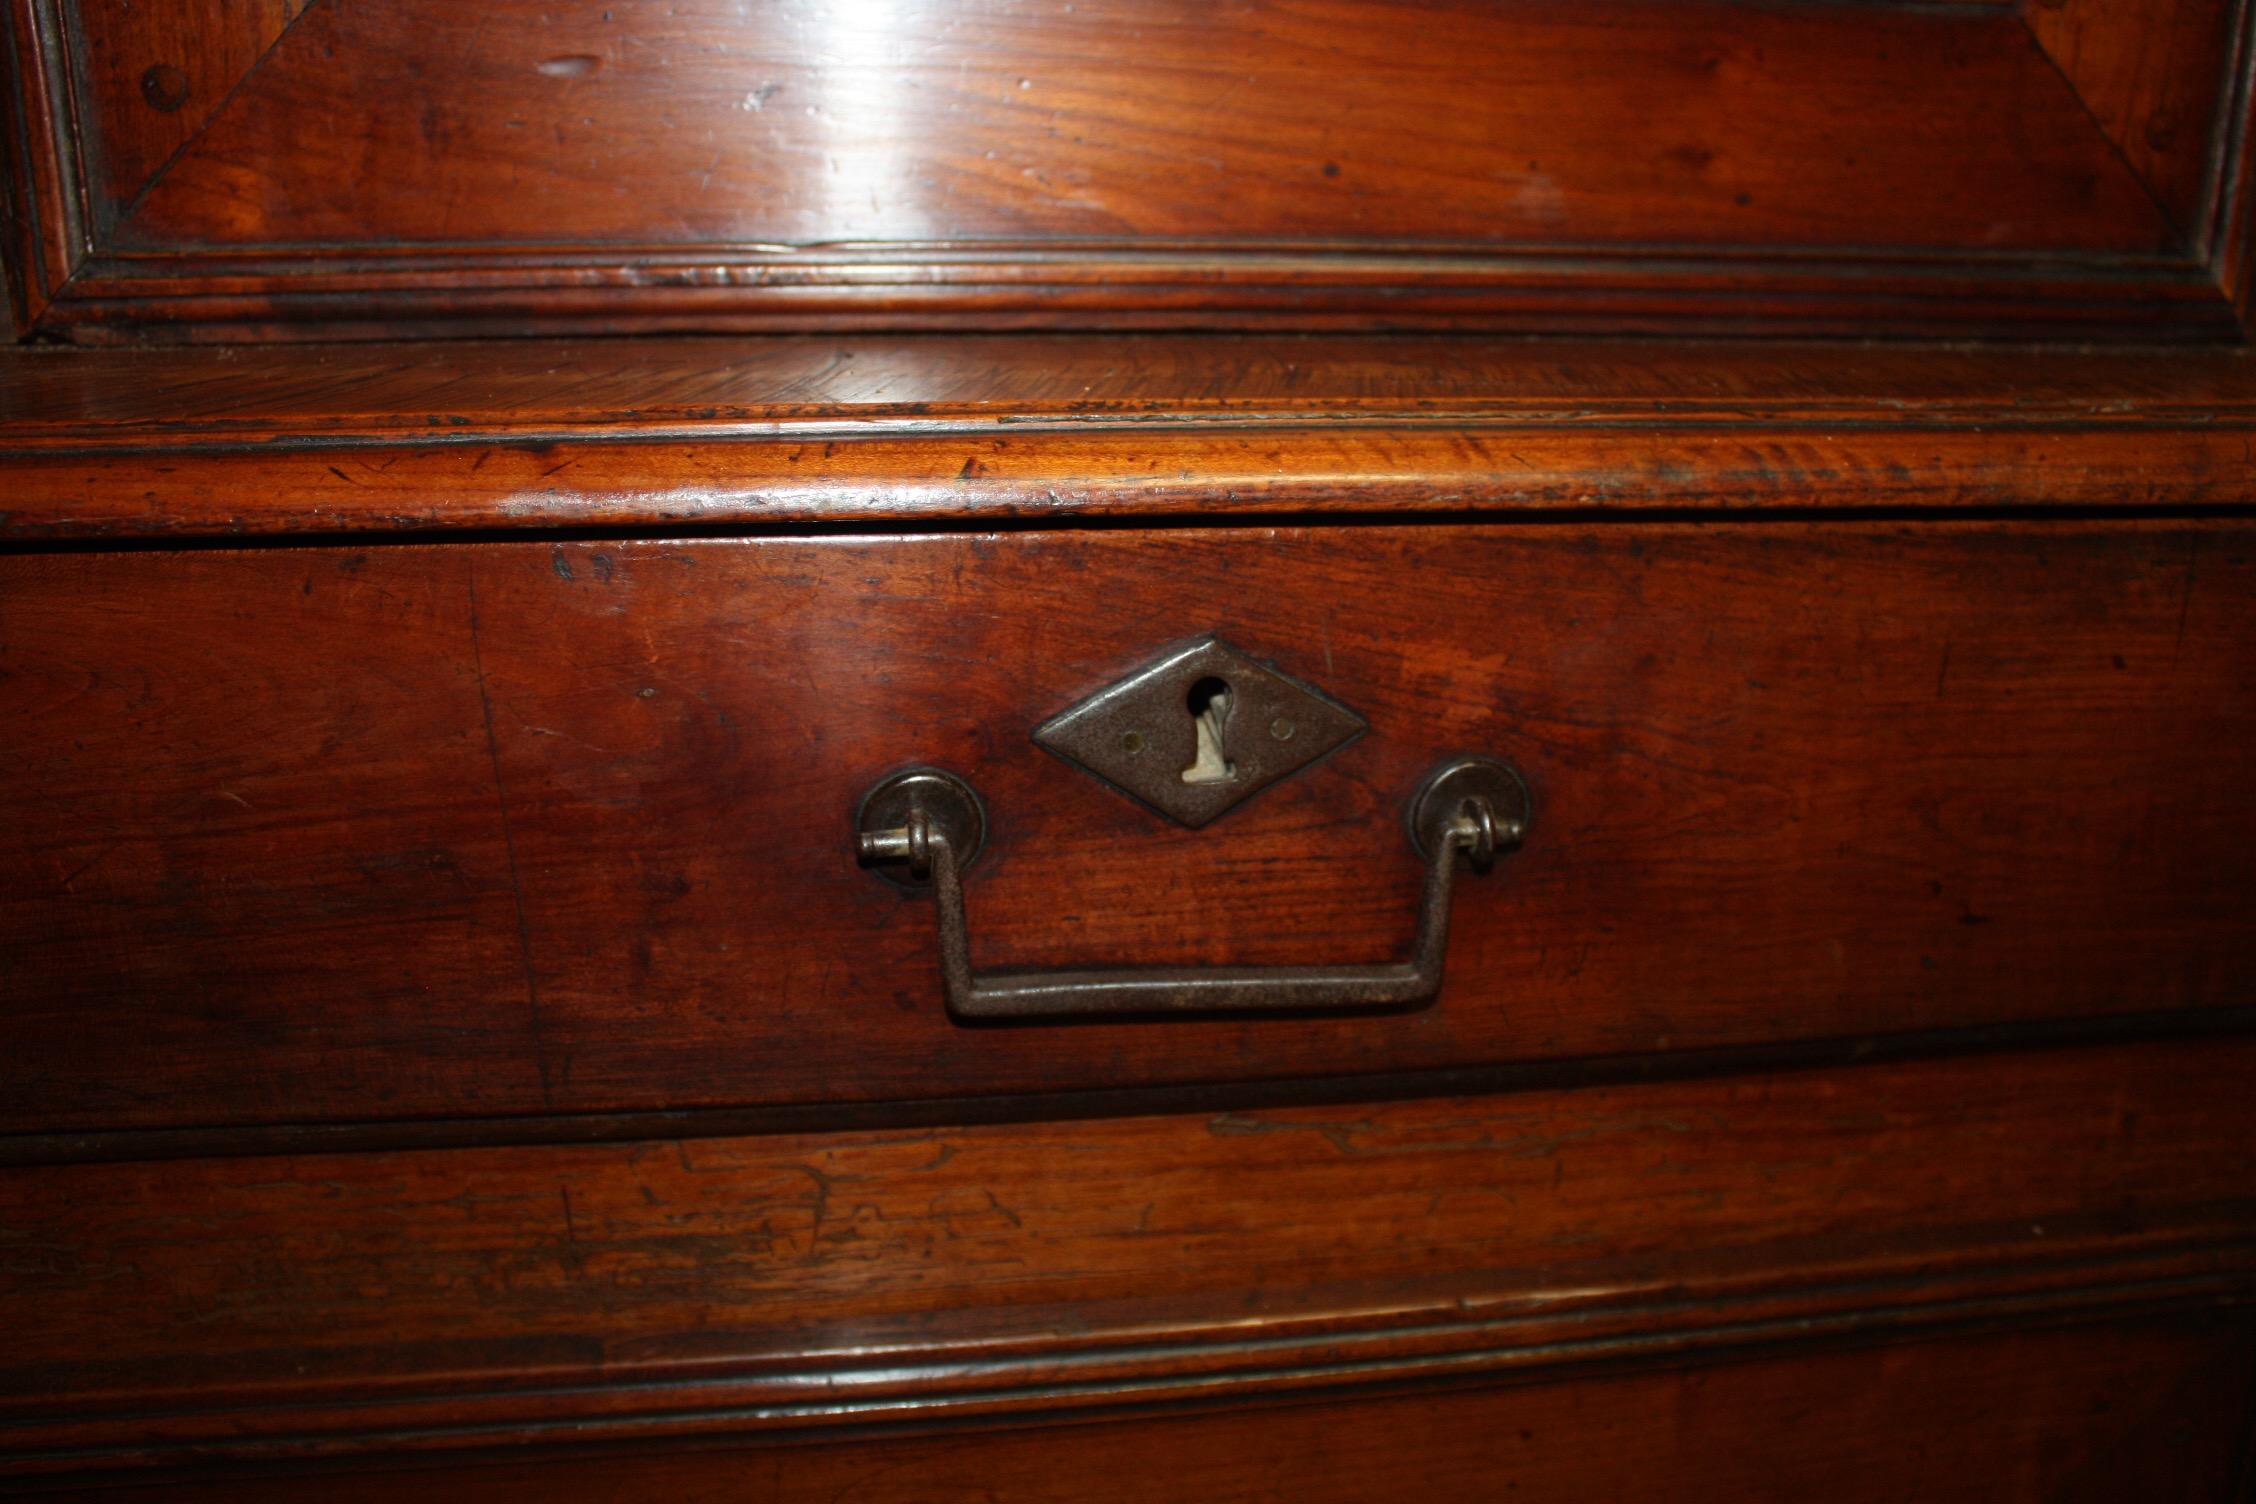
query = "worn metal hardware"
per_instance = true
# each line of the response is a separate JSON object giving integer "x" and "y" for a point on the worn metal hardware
{"x": 929, "y": 825}
{"x": 897, "y": 816}
{"x": 1199, "y": 731}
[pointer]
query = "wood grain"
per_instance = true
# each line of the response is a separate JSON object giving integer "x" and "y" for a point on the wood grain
{"x": 1173, "y": 121}
{"x": 2229, "y": 233}
{"x": 1550, "y": 164}
{"x": 529, "y": 434}
{"x": 446, "y": 1046}
{"x": 442, "y": 1302}
{"x": 2053, "y": 1417}
{"x": 317, "y": 835}
{"x": 2153, "y": 74}
{"x": 184, "y": 398}
{"x": 49, "y": 236}
{"x": 156, "y": 74}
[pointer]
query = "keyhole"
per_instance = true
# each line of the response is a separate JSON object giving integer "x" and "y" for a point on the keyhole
{"x": 1209, "y": 704}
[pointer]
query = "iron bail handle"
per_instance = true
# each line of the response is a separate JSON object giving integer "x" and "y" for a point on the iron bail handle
{"x": 929, "y": 825}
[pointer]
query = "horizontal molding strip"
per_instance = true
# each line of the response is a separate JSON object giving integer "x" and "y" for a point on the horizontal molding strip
{"x": 778, "y": 431}
{"x": 1523, "y": 1336}
{"x": 544, "y": 256}
{"x": 1128, "y": 471}
{"x": 932, "y": 421}
{"x": 350, "y": 294}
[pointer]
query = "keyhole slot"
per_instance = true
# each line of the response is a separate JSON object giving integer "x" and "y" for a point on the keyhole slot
{"x": 1209, "y": 705}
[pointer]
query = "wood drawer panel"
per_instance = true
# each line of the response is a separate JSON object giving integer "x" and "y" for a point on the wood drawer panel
{"x": 305, "y": 835}
{"x": 344, "y": 1307}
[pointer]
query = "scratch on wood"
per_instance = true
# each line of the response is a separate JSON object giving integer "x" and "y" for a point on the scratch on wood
{"x": 2185, "y": 596}
{"x": 508, "y": 841}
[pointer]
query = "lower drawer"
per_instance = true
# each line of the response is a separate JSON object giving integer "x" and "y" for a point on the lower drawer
{"x": 316, "y": 835}
{"x": 2018, "y": 1276}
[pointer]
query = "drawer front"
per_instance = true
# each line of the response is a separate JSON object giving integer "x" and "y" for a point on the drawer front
{"x": 813, "y": 1295}
{"x": 306, "y": 835}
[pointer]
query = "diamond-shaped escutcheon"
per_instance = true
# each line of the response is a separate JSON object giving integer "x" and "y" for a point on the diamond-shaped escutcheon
{"x": 1200, "y": 731}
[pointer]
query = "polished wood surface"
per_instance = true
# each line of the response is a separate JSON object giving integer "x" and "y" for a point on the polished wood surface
{"x": 312, "y": 835}
{"x": 188, "y": 397}
{"x": 444, "y": 1302}
{"x": 449, "y": 1049}
{"x": 2089, "y": 1415}
{"x": 870, "y": 431}
{"x": 368, "y": 167}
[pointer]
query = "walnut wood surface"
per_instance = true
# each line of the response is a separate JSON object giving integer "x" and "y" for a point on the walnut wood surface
{"x": 367, "y": 167}
{"x": 2148, "y": 71}
{"x": 529, "y": 434}
{"x": 1904, "y": 709}
{"x": 155, "y": 75}
{"x": 190, "y": 397}
{"x": 313, "y": 835}
{"x": 2083, "y": 1416}
{"x": 433, "y": 1302}
{"x": 1167, "y": 121}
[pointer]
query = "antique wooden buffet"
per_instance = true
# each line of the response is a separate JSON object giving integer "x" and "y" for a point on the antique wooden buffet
{"x": 1221, "y": 750}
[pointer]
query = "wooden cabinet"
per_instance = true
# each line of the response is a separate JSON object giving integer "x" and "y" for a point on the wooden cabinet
{"x": 455, "y": 1038}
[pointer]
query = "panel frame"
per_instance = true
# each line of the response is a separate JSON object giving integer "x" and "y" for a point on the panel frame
{"x": 77, "y": 275}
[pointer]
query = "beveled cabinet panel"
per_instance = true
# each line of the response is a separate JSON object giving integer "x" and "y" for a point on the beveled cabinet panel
{"x": 372, "y": 166}
{"x": 505, "y": 829}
